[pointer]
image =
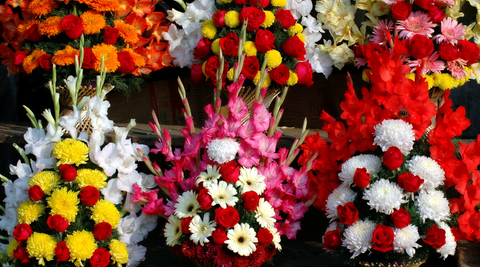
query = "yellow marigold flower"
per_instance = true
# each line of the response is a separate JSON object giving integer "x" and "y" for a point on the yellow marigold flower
{"x": 292, "y": 79}
{"x": 216, "y": 46}
{"x": 138, "y": 59}
{"x": 301, "y": 36}
{"x": 429, "y": 80}
{"x": 109, "y": 53}
{"x": 31, "y": 61}
{"x": 52, "y": 26}
{"x": 11, "y": 247}
{"x": 444, "y": 81}
{"x": 65, "y": 57}
{"x": 297, "y": 28}
{"x": 93, "y": 22}
{"x": 81, "y": 245}
{"x": 71, "y": 151}
{"x": 274, "y": 59}
{"x": 267, "y": 81}
{"x": 250, "y": 49}
{"x": 47, "y": 180}
{"x": 105, "y": 211}
{"x": 41, "y": 246}
{"x": 278, "y": 3}
{"x": 91, "y": 177}
{"x": 118, "y": 251}
{"x": 127, "y": 32}
{"x": 64, "y": 202}
{"x": 269, "y": 19}
{"x": 208, "y": 29}
{"x": 29, "y": 212}
{"x": 365, "y": 76}
{"x": 231, "y": 19}
{"x": 224, "y": 1}
{"x": 105, "y": 5}
{"x": 42, "y": 7}
{"x": 230, "y": 74}
{"x": 411, "y": 76}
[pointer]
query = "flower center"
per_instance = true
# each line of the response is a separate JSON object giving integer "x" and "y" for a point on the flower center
{"x": 190, "y": 208}
{"x": 241, "y": 239}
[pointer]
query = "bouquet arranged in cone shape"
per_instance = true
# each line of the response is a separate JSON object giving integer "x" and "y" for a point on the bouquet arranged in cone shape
{"x": 63, "y": 209}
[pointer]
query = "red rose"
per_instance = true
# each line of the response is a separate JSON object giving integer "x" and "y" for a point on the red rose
{"x": 435, "y": 237}
{"x": 348, "y": 213}
{"x": 361, "y": 178}
{"x": 227, "y": 217}
{"x": 205, "y": 199}
{"x": 89, "y": 59}
{"x": 100, "y": 258}
{"x": 468, "y": 51}
{"x": 264, "y": 236}
{"x": 436, "y": 14}
{"x": 110, "y": 35}
{"x": 448, "y": 52}
{"x": 219, "y": 236}
{"x": 18, "y": 58}
{"x": 127, "y": 64}
{"x": 89, "y": 195}
{"x": 372, "y": 49}
{"x": 211, "y": 67}
{"x": 410, "y": 182}
{"x": 68, "y": 172}
{"x": 280, "y": 74}
{"x": 393, "y": 158}
{"x": 264, "y": 40}
{"x": 204, "y": 47}
{"x": 421, "y": 46}
{"x": 185, "y": 223}
{"x": 332, "y": 239}
{"x": 45, "y": 62}
{"x": 383, "y": 238}
{"x": 61, "y": 251}
{"x": 32, "y": 34}
{"x": 401, "y": 218}
{"x": 401, "y": 10}
{"x": 102, "y": 231}
{"x": 425, "y": 4}
{"x": 22, "y": 232}
{"x": 219, "y": 18}
{"x": 250, "y": 200}
{"x": 229, "y": 44}
{"x": 230, "y": 170}
{"x": 196, "y": 74}
{"x": 21, "y": 254}
{"x": 294, "y": 47}
{"x": 285, "y": 18}
{"x": 57, "y": 222}
{"x": 259, "y": 3}
{"x": 304, "y": 72}
{"x": 73, "y": 26}
{"x": 35, "y": 193}
{"x": 250, "y": 69}
{"x": 254, "y": 16}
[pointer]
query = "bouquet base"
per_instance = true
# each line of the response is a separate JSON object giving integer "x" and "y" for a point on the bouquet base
{"x": 394, "y": 264}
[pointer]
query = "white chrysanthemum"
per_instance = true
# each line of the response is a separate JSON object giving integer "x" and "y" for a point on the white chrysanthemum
{"x": 432, "y": 205}
{"x": 427, "y": 169}
{"x": 222, "y": 150}
{"x": 173, "y": 230}
{"x": 251, "y": 180}
{"x": 394, "y": 133}
{"x": 406, "y": 240}
{"x": 223, "y": 194}
{"x": 209, "y": 177}
{"x": 370, "y": 162}
{"x": 340, "y": 196}
{"x": 241, "y": 239}
{"x": 276, "y": 238}
{"x": 201, "y": 229}
{"x": 450, "y": 244}
{"x": 187, "y": 205}
{"x": 384, "y": 196}
{"x": 358, "y": 237}
{"x": 264, "y": 214}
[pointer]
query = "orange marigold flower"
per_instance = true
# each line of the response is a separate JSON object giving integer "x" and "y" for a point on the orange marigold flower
{"x": 65, "y": 57}
{"x": 127, "y": 32}
{"x": 42, "y": 7}
{"x": 51, "y": 26}
{"x": 105, "y": 5}
{"x": 93, "y": 22}
{"x": 109, "y": 53}
{"x": 87, "y": 2}
{"x": 138, "y": 59}
{"x": 31, "y": 61}
{"x": 22, "y": 27}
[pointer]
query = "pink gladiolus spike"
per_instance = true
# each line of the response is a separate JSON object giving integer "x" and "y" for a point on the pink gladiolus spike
{"x": 248, "y": 156}
{"x": 261, "y": 117}
{"x": 246, "y": 130}
{"x": 283, "y": 153}
{"x": 238, "y": 108}
{"x": 151, "y": 195}
{"x": 154, "y": 128}
{"x": 299, "y": 210}
{"x": 137, "y": 195}
{"x": 263, "y": 92}
{"x": 156, "y": 167}
{"x": 155, "y": 207}
{"x": 291, "y": 228}
{"x": 189, "y": 123}
{"x": 264, "y": 145}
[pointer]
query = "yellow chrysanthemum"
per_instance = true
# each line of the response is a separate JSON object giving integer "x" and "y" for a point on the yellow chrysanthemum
{"x": 109, "y": 53}
{"x": 250, "y": 49}
{"x": 429, "y": 80}
{"x": 295, "y": 29}
{"x": 267, "y": 81}
{"x": 224, "y": 1}
{"x": 269, "y": 19}
{"x": 292, "y": 79}
{"x": 29, "y": 212}
{"x": 52, "y": 26}
{"x": 216, "y": 46}
{"x": 91, "y": 177}
{"x": 278, "y": 3}
{"x": 127, "y": 32}
{"x": 208, "y": 29}
{"x": 410, "y": 76}
{"x": 105, "y": 5}
{"x": 47, "y": 180}
{"x": 42, "y": 7}
{"x": 231, "y": 19}
{"x": 64, "y": 202}
{"x": 105, "y": 211}
{"x": 301, "y": 36}
{"x": 138, "y": 59}
{"x": 31, "y": 61}
{"x": 65, "y": 57}
{"x": 93, "y": 22}
{"x": 274, "y": 58}
{"x": 118, "y": 251}
{"x": 81, "y": 245}
{"x": 71, "y": 151}
{"x": 230, "y": 74}
{"x": 444, "y": 81}
{"x": 41, "y": 246}
{"x": 11, "y": 247}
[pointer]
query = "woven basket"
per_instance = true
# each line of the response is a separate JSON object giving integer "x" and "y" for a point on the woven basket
{"x": 395, "y": 264}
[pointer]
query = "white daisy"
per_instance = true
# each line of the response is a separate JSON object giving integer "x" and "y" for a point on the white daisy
{"x": 173, "y": 230}
{"x": 427, "y": 169}
{"x": 251, "y": 180}
{"x": 223, "y": 194}
{"x": 241, "y": 239}
{"x": 222, "y": 150}
{"x": 340, "y": 196}
{"x": 187, "y": 205}
{"x": 264, "y": 214}
{"x": 201, "y": 229}
{"x": 394, "y": 133}
{"x": 406, "y": 240}
{"x": 433, "y": 205}
{"x": 450, "y": 245}
{"x": 384, "y": 196}
{"x": 358, "y": 237}
{"x": 276, "y": 238}
{"x": 209, "y": 177}
{"x": 371, "y": 162}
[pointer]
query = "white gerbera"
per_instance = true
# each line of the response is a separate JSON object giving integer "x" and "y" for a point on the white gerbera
{"x": 241, "y": 239}
{"x": 450, "y": 244}
{"x": 384, "y": 196}
{"x": 433, "y": 205}
{"x": 406, "y": 240}
{"x": 276, "y": 238}
{"x": 173, "y": 230}
{"x": 264, "y": 214}
{"x": 201, "y": 229}
{"x": 340, "y": 196}
{"x": 394, "y": 133}
{"x": 223, "y": 194}
{"x": 358, "y": 237}
{"x": 427, "y": 169}
{"x": 371, "y": 162}
{"x": 251, "y": 180}
{"x": 222, "y": 150}
{"x": 209, "y": 177}
{"x": 187, "y": 205}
